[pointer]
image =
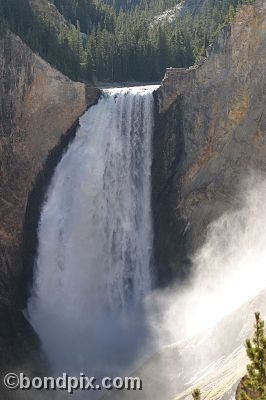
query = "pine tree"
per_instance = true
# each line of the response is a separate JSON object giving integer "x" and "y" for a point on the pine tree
{"x": 3, "y": 26}
{"x": 117, "y": 40}
{"x": 196, "y": 395}
{"x": 255, "y": 382}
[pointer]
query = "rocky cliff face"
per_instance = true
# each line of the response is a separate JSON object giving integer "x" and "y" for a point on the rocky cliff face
{"x": 210, "y": 132}
{"x": 181, "y": 9}
{"x": 38, "y": 105}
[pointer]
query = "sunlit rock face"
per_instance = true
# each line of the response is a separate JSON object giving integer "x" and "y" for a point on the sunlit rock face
{"x": 211, "y": 121}
{"x": 38, "y": 106}
{"x": 180, "y": 10}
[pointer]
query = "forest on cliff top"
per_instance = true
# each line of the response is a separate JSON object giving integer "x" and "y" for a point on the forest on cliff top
{"x": 116, "y": 40}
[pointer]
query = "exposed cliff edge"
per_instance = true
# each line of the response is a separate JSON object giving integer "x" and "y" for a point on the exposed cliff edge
{"x": 210, "y": 131}
{"x": 38, "y": 105}
{"x": 180, "y": 10}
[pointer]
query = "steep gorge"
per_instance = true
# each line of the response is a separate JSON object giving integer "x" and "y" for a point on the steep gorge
{"x": 209, "y": 132}
{"x": 209, "y": 135}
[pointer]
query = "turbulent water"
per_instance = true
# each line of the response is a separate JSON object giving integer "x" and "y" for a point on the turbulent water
{"x": 95, "y": 238}
{"x": 92, "y": 303}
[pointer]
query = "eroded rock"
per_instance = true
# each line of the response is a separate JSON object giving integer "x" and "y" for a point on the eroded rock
{"x": 220, "y": 124}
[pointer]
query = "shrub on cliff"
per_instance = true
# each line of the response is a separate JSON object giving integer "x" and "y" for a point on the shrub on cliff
{"x": 196, "y": 395}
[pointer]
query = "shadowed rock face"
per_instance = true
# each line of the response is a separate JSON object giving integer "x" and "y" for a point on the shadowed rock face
{"x": 211, "y": 118}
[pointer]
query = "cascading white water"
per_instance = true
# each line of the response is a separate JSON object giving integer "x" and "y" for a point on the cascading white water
{"x": 95, "y": 237}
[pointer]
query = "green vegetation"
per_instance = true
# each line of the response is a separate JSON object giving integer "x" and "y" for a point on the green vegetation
{"x": 3, "y": 27}
{"x": 117, "y": 40}
{"x": 255, "y": 382}
{"x": 154, "y": 6}
{"x": 196, "y": 395}
{"x": 42, "y": 36}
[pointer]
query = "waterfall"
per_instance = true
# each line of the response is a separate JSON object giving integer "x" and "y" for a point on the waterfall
{"x": 93, "y": 268}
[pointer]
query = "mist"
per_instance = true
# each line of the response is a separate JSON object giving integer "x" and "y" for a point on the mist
{"x": 228, "y": 270}
{"x": 95, "y": 241}
{"x": 92, "y": 303}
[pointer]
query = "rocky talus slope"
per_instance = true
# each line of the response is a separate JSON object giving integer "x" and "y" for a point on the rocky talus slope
{"x": 38, "y": 108}
{"x": 210, "y": 132}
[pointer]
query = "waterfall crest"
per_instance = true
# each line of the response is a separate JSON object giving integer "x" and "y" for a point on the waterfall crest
{"x": 93, "y": 268}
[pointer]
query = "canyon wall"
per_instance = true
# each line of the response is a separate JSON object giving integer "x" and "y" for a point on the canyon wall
{"x": 210, "y": 133}
{"x": 38, "y": 108}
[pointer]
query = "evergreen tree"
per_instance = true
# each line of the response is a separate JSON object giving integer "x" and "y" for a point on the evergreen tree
{"x": 3, "y": 27}
{"x": 196, "y": 395}
{"x": 255, "y": 381}
{"x": 117, "y": 40}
